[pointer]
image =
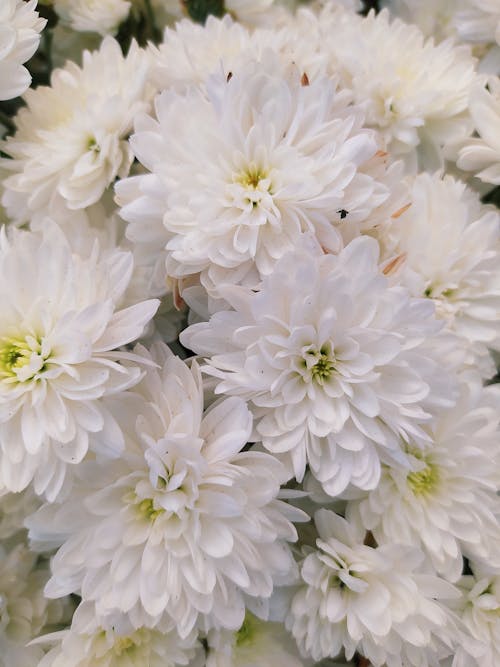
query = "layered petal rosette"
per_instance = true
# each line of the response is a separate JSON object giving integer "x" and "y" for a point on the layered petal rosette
{"x": 59, "y": 325}
{"x": 378, "y": 601}
{"x": 20, "y": 28}
{"x": 416, "y": 92}
{"x": 185, "y": 523}
{"x": 71, "y": 139}
{"x": 261, "y": 157}
{"x": 334, "y": 361}
{"x": 447, "y": 504}
{"x": 446, "y": 247}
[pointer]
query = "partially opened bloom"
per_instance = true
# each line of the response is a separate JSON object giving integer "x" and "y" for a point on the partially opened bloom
{"x": 183, "y": 506}
{"x": 333, "y": 361}
{"x": 71, "y": 139}
{"x": 378, "y": 601}
{"x": 20, "y": 28}
{"x": 59, "y": 324}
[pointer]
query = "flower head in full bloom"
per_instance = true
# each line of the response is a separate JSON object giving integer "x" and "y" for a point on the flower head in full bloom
{"x": 59, "y": 324}
{"x": 446, "y": 247}
{"x": 20, "y": 28}
{"x": 183, "y": 506}
{"x": 71, "y": 139}
{"x": 333, "y": 361}
{"x": 416, "y": 93}
{"x": 378, "y": 601}
{"x": 447, "y": 505}
{"x": 258, "y": 160}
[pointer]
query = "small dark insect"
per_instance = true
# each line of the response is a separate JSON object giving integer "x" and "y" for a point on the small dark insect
{"x": 229, "y": 76}
{"x": 304, "y": 80}
{"x": 343, "y": 213}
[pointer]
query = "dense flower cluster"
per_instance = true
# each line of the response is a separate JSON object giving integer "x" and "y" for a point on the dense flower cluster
{"x": 249, "y": 330}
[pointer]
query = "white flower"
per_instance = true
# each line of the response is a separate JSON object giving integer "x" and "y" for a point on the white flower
{"x": 333, "y": 361}
{"x": 446, "y": 247}
{"x": 59, "y": 323}
{"x": 416, "y": 93}
{"x": 482, "y": 155}
{"x": 448, "y": 504}
{"x": 102, "y": 16}
{"x": 114, "y": 642}
{"x": 481, "y": 614}
{"x": 257, "y": 642}
{"x": 256, "y": 162}
{"x": 183, "y": 506}
{"x": 70, "y": 143}
{"x": 20, "y": 28}
{"x": 374, "y": 600}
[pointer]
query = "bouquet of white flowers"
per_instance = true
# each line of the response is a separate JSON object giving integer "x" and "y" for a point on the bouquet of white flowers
{"x": 249, "y": 329}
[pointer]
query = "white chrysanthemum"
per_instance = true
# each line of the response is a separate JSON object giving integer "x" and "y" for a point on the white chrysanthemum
{"x": 257, "y": 642}
{"x": 71, "y": 140}
{"x": 20, "y": 28}
{"x": 372, "y": 600}
{"x": 24, "y": 611}
{"x": 480, "y": 610}
{"x": 448, "y": 504}
{"x": 333, "y": 361}
{"x": 114, "y": 642}
{"x": 446, "y": 247}
{"x": 416, "y": 93}
{"x": 255, "y": 164}
{"x": 102, "y": 16}
{"x": 59, "y": 323}
{"x": 481, "y": 155}
{"x": 184, "y": 507}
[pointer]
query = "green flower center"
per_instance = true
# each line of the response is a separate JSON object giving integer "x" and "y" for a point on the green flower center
{"x": 147, "y": 509}
{"x": 320, "y": 364}
{"x": 15, "y": 353}
{"x": 247, "y": 631}
{"x": 425, "y": 480}
{"x": 322, "y": 369}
